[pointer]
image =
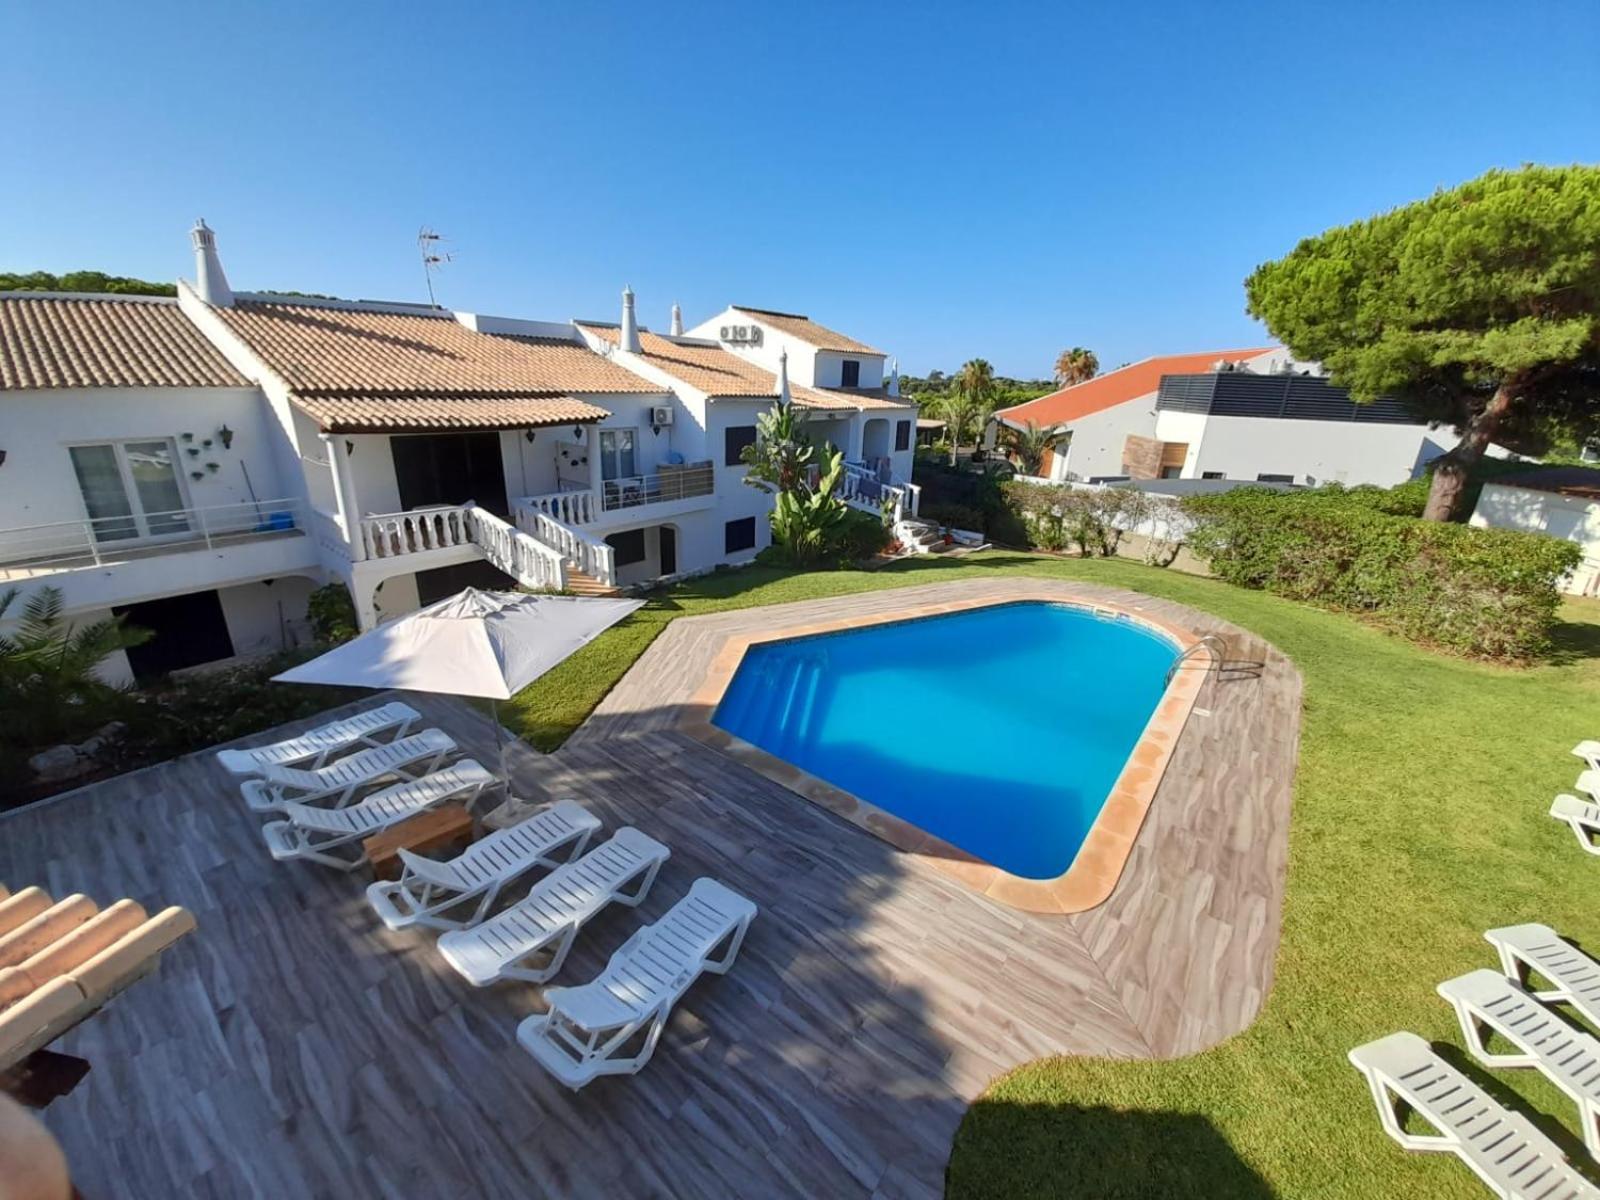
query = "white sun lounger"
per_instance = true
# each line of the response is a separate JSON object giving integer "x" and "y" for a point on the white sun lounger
{"x": 1569, "y": 1057}
{"x": 1503, "y": 1147}
{"x": 1574, "y": 977}
{"x": 1582, "y": 816}
{"x": 545, "y": 924}
{"x": 1589, "y": 751}
{"x": 315, "y": 747}
{"x": 427, "y": 889}
{"x": 313, "y": 833}
{"x": 338, "y": 783}
{"x": 586, "y": 1028}
{"x": 1589, "y": 784}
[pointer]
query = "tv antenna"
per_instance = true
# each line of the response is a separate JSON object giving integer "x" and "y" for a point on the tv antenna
{"x": 431, "y": 246}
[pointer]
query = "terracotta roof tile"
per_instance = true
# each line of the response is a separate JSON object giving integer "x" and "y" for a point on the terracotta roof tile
{"x": 342, "y": 412}
{"x": 363, "y": 350}
{"x": 722, "y": 374}
{"x": 1116, "y": 387}
{"x": 70, "y": 341}
{"x": 807, "y": 330}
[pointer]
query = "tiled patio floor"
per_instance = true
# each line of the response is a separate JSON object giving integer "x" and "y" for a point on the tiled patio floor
{"x": 294, "y": 1047}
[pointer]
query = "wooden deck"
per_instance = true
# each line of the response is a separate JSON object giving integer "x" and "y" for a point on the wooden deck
{"x": 294, "y": 1047}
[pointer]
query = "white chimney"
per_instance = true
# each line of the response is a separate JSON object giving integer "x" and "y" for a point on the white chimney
{"x": 209, "y": 280}
{"x": 894, "y": 377}
{"x": 629, "y": 339}
{"x": 677, "y": 321}
{"x": 783, "y": 377}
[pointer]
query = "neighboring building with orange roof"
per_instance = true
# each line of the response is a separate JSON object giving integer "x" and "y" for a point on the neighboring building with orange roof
{"x": 1254, "y": 415}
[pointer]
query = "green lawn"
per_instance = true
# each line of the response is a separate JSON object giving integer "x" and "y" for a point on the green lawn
{"x": 1419, "y": 821}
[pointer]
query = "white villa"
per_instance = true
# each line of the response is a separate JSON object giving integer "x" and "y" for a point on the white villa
{"x": 1253, "y": 414}
{"x": 202, "y": 464}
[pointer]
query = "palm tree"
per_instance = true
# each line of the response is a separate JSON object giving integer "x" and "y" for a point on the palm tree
{"x": 47, "y": 681}
{"x": 976, "y": 379}
{"x": 960, "y": 410}
{"x": 1030, "y": 443}
{"x": 1076, "y": 366}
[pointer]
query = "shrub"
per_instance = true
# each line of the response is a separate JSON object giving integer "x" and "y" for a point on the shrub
{"x": 858, "y": 537}
{"x": 1484, "y": 592}
{"x": 190, "y": 712}
{"x": 332, "y": 614}
{"x": 1094, "y": 521}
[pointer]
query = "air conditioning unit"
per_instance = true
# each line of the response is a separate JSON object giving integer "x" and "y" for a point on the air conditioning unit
{"x": 661, "y": 415}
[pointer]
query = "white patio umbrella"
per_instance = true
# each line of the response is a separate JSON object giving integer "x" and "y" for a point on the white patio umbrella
{"x": 489, "y": 644}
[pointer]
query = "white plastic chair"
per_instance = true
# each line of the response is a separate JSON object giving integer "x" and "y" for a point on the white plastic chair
{"x": 315, "y": 747}
{"x": 1502, "y": 1147}
{"x": 313, "y": 833}
{"x": 339, "y": 782}
{"x": 541, "y": 928}
{"x": 1568, "y": 1057}
{"x": 1582, "y": 817}
{"x": 428, "y": 889}
{"x": 587, "y": 1029}
{"x": 1574, "y": 976}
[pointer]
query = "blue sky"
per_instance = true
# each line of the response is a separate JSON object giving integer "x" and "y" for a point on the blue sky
{"x": 943, "y": 181}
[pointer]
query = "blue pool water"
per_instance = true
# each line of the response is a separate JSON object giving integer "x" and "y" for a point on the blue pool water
{"x": 1001, "y": 730}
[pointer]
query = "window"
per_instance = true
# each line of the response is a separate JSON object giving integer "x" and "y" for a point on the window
{"x": 1274, "y": 478}
{"x": 739, "y": 535}
{"x": 616, "y": 454}
{"x": 850, "y": 373}
{"x": 734, "y": 439}
{"x": 130, "y": 489}
{"x": 902, "y": 435}
{"x": 1171, "y": 472}
{"x": 629, "y": 546}
{"x": 1212, "y": 475}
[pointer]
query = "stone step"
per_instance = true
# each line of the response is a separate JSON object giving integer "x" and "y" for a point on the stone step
{"x": 581, "y": 584}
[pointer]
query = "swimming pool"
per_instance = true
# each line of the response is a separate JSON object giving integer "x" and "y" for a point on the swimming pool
{"x": 1000, "y": 729}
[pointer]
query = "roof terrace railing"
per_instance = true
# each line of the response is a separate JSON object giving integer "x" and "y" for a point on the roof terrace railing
{"x": 99, "y": 541}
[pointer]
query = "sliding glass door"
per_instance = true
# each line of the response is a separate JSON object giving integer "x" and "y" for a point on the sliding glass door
{"x": 131, "y": 489}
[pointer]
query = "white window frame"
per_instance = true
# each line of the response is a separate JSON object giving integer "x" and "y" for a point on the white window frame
{"x": 130, "y": 488}
{"x": 616, "y": 454}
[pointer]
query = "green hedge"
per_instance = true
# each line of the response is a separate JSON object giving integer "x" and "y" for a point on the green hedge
{"x": 1489, "y": 593}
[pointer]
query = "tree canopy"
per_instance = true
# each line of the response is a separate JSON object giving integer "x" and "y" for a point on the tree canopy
{"x": 1478, "y": 307}
{"x": 1076, "y": 366}
{"x": 83, "y": 281}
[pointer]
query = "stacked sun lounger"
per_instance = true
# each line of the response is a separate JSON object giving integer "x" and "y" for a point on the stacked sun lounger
{"x": 62, "y": 960}
{"x": 1505, "y": 1149}
{"x": 321, "y": 783}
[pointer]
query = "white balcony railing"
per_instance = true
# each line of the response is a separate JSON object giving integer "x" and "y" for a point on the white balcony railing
{"x": 391, "y": 535}
{"x": 100, "y": 541}
{"x": 862, "y": 489}
{"x": 569, "y": 508}
{"x": 585, "y": 552}
{"x": 526, "y": 559}
{"x": 668, "y": 484}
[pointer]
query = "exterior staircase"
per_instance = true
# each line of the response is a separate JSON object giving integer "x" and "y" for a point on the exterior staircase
{"x": 579, "y": 583}
{"x": 919, "y": 536}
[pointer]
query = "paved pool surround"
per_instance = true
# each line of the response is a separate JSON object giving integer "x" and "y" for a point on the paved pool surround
{"x": 1101, "y": 859}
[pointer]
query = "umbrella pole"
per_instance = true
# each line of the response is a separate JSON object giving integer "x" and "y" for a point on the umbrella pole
{"x": 500, "y": 746}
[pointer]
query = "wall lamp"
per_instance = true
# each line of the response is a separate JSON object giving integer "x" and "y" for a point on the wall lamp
{"x": 528, "y": 433}
{"x": 226, "y": 436}
{"x": 349, "y": 447}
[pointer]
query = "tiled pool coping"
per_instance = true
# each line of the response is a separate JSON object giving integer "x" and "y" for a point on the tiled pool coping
{"x": 1100, "y": 860}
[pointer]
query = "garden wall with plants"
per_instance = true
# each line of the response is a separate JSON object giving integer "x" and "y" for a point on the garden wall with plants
{"x": 1487, "y": 593}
